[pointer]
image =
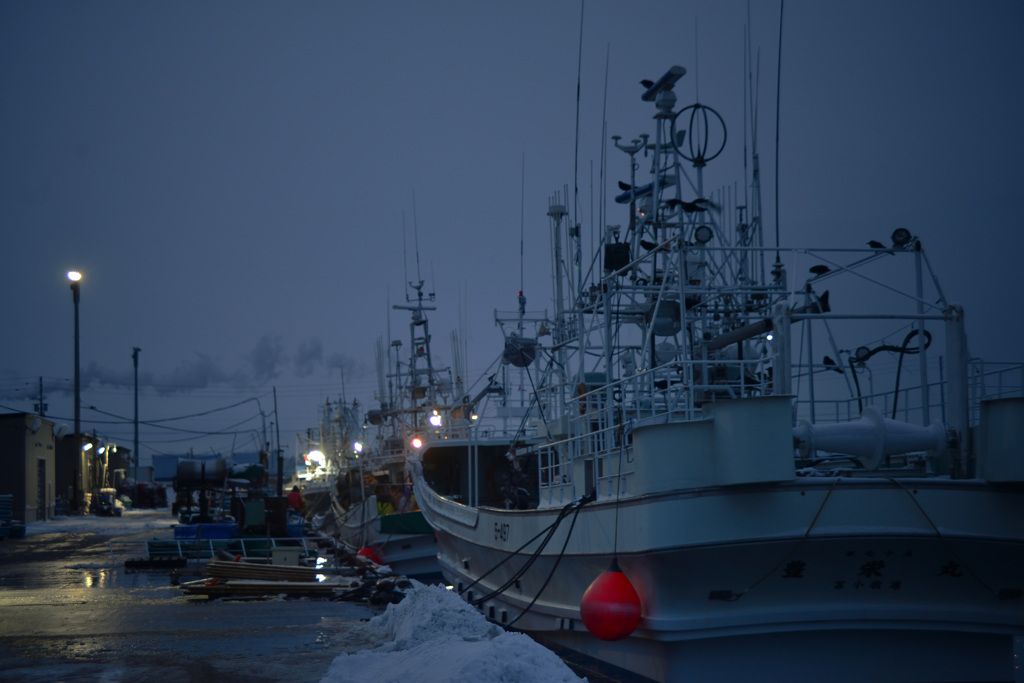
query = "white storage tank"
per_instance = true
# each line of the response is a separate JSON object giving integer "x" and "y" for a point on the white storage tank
{"x": 745, "y": 441}
{"x": 1000, "y": 440}
{"x": 753, "y": 439}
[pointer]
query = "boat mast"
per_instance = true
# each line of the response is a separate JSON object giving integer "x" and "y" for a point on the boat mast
{"x": 560, "y": 333}
{"x": 420, "y": 349}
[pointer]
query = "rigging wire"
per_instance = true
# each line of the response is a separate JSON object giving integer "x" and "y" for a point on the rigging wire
{"x": 546, "y": 530}
{"x": 799, "y": 544}
{"x": 778, "y": 96}
{"x": 518, "y": 574}
{"x": 945, "y": 541}
{"x": 618, "y": 490}
{"x": 558, "y": 559}
{"x": 549, "y": 530}
{"x": 576, "y": 155}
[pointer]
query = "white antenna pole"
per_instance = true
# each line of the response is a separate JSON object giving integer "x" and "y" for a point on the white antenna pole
{"x": 696, "y": 61}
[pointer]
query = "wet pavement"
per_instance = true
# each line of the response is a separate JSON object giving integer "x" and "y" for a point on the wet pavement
{"x": 69, "y": 611}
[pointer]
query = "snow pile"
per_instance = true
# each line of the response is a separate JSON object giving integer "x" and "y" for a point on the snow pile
{"x": 432, "y": 636}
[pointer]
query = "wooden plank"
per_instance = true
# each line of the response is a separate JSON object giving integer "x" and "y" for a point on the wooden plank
{"x": 242, "y": 570}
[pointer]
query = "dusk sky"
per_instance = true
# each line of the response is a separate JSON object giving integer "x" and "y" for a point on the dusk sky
{"x": 232, "y": 178}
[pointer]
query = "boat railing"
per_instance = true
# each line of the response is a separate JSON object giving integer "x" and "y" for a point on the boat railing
{"x": 600, "y": 419}
{"x": 484, "y": 431}
{"x": 205, "y": 549}
{"x": 670, "y": 392}
{"x": 992, "y": 380}
{"x": 985, "y": 381}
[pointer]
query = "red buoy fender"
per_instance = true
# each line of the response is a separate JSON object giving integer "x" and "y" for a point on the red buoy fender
{"x": 370, "y": 553}
{"x": 610, "y": 607}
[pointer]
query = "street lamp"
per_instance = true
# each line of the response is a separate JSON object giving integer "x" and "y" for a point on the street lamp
{"x": 75, "y": 277}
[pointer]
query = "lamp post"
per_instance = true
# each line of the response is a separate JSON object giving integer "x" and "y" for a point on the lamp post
{"x": 75, "y": 277}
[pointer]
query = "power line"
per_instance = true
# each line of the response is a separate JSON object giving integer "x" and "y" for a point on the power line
{"x": 226, "y": 432}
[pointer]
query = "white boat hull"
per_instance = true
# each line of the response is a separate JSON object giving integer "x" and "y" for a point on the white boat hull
{"x": 740, "y": 582}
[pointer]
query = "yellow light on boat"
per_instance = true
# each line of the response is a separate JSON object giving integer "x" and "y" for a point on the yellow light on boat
{"x": 435, "y": 419}
{"x": 357, "y": 446}
{"x": 317, "y": 457}
{"x": 416, "y": 442}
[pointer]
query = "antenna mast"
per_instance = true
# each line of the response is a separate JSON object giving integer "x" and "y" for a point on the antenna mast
{"x": 576, "y": 155}
{"x": 416, "y": 242}
{"x": 778, "y": 96}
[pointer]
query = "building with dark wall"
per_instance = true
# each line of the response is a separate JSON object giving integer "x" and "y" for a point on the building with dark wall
{"x": 28, "y": 463}
{"x": 76, "y": 471}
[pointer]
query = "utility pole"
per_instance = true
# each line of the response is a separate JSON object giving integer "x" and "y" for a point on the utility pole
{"x": 135, "y": 361}
{"x": 280, "y": 459}
{"x": 41, "y": 407}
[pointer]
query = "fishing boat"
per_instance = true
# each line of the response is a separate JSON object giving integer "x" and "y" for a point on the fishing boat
{"x": 355, "y": 492}
{"x": 327, "y": 453}
{"x": 373, "y": 502}
{"x": 731, "y": 460}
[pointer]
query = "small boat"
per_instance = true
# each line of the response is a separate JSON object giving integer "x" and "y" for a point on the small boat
{"x": 731, "y": 460}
